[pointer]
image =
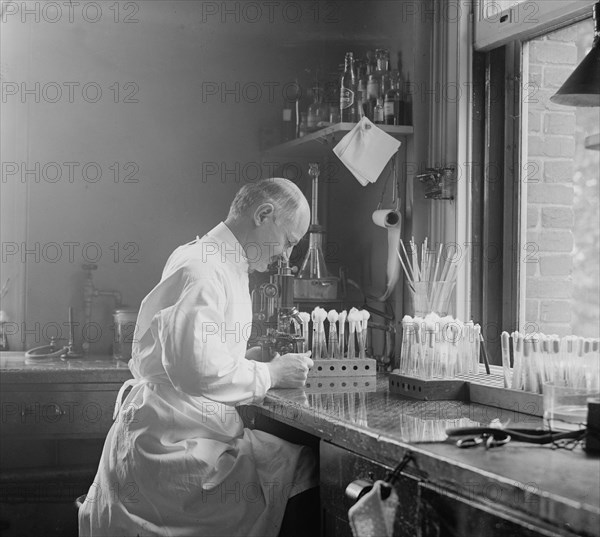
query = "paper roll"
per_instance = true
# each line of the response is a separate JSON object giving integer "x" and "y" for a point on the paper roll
{"x": 386, "y": 218}
{"x": 390, "y": 220}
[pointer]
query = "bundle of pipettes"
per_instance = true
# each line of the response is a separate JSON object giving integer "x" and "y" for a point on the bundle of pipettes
{"x": 334, "y": 345}
{"x": 430, "y": 276}
{"x": 439, "y": 347}
{"x": 568, "y": 361}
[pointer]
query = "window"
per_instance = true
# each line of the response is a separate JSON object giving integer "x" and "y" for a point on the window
{"x": 560, "y": 192}
{"x": 536, "y": 204}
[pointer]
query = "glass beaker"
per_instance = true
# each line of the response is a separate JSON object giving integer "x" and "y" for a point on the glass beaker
{"x": 124, "y": 327}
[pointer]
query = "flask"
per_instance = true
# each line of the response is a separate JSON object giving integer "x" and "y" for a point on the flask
{"x": 348, "y": 97}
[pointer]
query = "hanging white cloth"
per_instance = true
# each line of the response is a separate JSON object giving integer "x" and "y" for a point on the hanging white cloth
{"x": 366, "y": 150}
{"x": 178, "y": 460}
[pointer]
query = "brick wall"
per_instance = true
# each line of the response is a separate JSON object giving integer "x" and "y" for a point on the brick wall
{"x": 550, "y": 193}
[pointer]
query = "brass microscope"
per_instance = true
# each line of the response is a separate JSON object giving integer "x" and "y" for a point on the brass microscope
{"x": 277, "y": 322}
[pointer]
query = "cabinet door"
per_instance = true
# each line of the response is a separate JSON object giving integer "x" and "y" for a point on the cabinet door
{"x": 66, "y": 410}
{"x": 443, "y": 514}
{"x": 339, "y": 467}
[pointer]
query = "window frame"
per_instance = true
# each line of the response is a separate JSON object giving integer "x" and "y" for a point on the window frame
{"x": 498, "y": 297}
{"x": 525, "y": 19}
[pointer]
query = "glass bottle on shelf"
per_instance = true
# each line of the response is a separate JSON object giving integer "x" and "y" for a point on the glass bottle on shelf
{"x": 318, "y": 113}
{"x": 378, "y": 117}
{"x": 408, "y": 102}
{"x": 302, "y": 128}
{"x": 362, "y": 97}
{"x": 382, "y": 57}
{"x": 371, "y": 63}
{"x": 372, "y": 95}
{"x": 332, "y": 94}
{"x": 389, "y": 101}
{"x": 361, "y": 73}
{"x": 291, "y": 117}
{"x": 399, "y": 101}
{"x": 348, "y": 89}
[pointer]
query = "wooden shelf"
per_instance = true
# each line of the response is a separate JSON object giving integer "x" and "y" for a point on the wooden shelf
{"x": 321, "y": 142}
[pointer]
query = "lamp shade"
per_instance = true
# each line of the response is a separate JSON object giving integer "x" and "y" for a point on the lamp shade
{"x": 582, "y": 88}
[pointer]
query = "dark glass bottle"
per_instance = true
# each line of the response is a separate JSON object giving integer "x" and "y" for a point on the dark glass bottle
{"x": 348, "y": 89}
{"x": 390, "y": 101}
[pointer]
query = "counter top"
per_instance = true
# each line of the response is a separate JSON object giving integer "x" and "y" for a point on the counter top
{"x": 14, "y": 370}
{"x": 555, "y": 485}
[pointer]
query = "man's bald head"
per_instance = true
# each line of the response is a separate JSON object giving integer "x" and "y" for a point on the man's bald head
{"x": 286, "y": 197}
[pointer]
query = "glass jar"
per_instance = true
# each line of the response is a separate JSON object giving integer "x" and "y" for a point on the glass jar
{"x": 318, "y": 112}
{"x": 124, "y": 327}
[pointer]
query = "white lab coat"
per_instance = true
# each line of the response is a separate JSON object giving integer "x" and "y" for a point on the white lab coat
{"x": 177, "y": 460}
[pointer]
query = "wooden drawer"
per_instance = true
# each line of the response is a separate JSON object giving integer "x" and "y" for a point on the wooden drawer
{"x": 60, "y": 410}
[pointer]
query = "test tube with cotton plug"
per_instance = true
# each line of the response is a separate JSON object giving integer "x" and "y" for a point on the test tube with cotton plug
{"x": 429, "y": 349}
{"x": 504, "y": 344}
{"x": 453, "y": 349}
{"x": 443, "y": 346}
{"x": 517, "y": 380}
{"x": 354, "y": 318}
{"x": 332, "y": 317}
{"x": 342, "y": 328}
{"x": 320, "y": 348}
{"x": 305, "y": 319}
{"x": 407, "y": 344}
{"x": 530, "y": 374}
{"x": 362, "y": 335}
{"x": 418, "y": 363}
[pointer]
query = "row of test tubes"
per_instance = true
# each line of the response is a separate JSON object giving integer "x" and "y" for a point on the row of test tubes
{"x": 538, "y": 358}
{"x": 439, "y": 347}
{"x": 354, "y": 323}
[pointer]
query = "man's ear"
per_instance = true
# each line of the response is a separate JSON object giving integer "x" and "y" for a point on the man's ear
{"x": 263, "y": 213}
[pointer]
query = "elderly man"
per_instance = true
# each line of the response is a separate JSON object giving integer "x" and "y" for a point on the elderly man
{"x": 178, "y": 461}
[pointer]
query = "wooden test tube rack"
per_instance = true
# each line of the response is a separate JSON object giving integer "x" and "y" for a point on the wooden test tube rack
{"x": 474, "y": 388}
{"x": 343, "y": 367}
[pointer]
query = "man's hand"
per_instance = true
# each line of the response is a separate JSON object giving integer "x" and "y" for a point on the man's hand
{"x": 289, "y": 370}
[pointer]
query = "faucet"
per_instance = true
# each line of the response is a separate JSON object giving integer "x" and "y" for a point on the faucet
{"x": 89, "y": 293}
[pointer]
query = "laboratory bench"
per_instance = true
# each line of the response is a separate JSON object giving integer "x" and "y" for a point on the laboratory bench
{"x": 56, "y": 415}
{"x": 515, "y": 489}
